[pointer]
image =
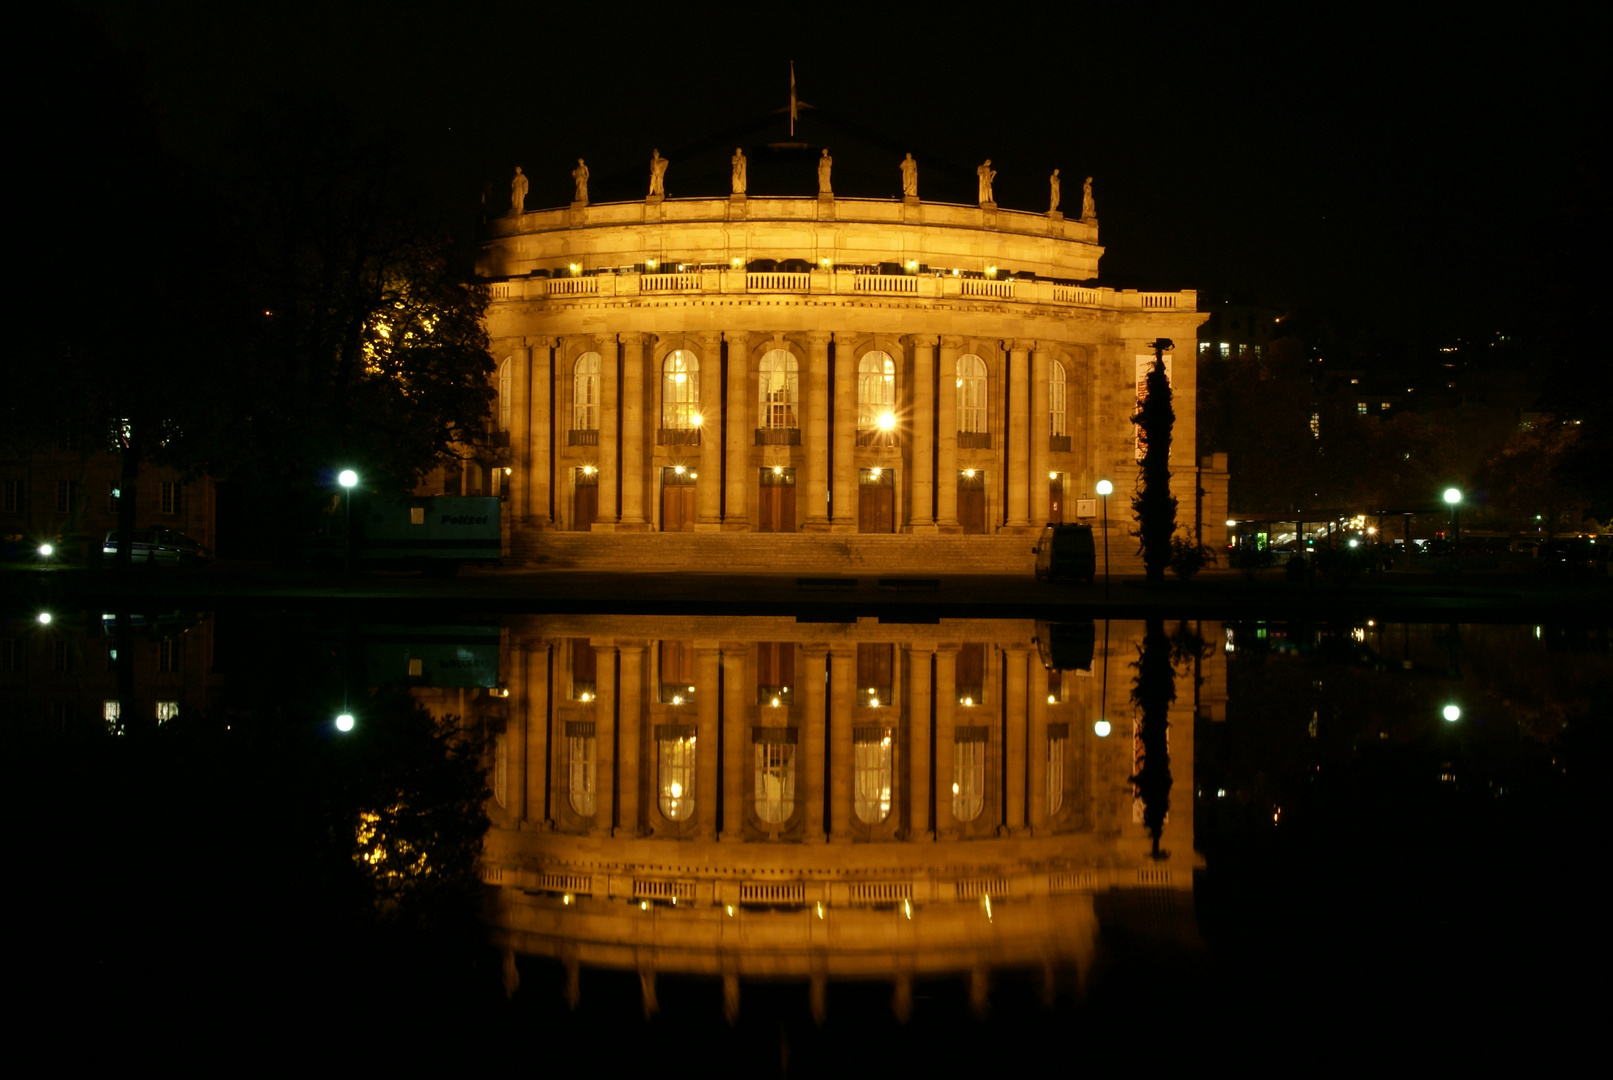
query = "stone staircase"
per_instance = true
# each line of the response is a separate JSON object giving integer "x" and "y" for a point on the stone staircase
{"x": 842, "y": 554}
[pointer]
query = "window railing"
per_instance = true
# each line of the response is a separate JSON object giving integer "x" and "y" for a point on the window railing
{"x": 677, "y": 436}
{"x": 876, "y": 437}
{"x": 974, "y": 440}
{"x": 576, "y": 437}
{"x": 778, "y": 436}
{"x": 1058, "y": 442}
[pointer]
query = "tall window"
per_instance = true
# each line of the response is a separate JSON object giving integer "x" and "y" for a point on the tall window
{"x": 872, "y": 755}
{"x": 166, "y": 711}
{"x": 775, "y": 775}
{"x": 581, "y": 755}
{"x": 1055, "y": 398}
{"x": 585, "y": 393}
{"x": 969, "y": 775}
{"x": 11, "y": 496}
{"x": 779, "y": 390}
{"x": 676, "y": 742}
{"x": 504, "y": 396}
{"x": 680, "y": 391}
{"x": 972, "y": 394}
{"x": 1058, "y": 736}
{"x": 876, "y": 392}
{"x": 168, "y": 497}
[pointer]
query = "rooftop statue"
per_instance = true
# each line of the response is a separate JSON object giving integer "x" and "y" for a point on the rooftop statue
{"x": 910, "y": 177}
{"x": 657, "y": 172}
{"x": 1053, "y": 197}
{"x": 1089, "y": 209}
{"x": 580, "y": 176}
{"x": 738, "y": 162}
{"x": 518, "y": 187}
{"x": 987, "y": 174}
{"x": 825, "y": 163}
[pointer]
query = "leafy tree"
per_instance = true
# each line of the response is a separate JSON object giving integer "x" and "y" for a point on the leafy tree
{"x": 1526, "y": 483}
{"x": 1259, "y": 410}
{"x": 1153, "y": 504}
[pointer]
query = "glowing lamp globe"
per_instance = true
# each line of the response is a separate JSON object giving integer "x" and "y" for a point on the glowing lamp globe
{"x": 1101, "y": 729}
{"x": 344, "y": 722}
{"x": 1452, "y": 713}
{"x": 1104, "y": 487}
{"x": 347, "y": 478}
{"x": 1453, "y": 496}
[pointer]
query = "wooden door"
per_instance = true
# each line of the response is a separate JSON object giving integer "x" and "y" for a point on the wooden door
{"x": 876, "y": 501}
{"x": 584, "y": 501}
{"x": 677, "y": 501}
{"x": 972, "y": 502}
{"x": 776, "y": 501}
{"x": 1055, "y": 501}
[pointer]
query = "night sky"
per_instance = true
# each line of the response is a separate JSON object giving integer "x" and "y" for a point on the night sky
{"x": 1411, "y": 173}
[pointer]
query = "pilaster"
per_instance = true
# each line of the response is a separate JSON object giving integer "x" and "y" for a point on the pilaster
{"x": 1041, "y": 434}
{"x": 817, "y": 433}
{"x": 946, "y": 433}
{"x": 921, "y": 438}
{"x": 1018, "y": 456}
{"x": 634, "y": 347}
{"x": 610, "y": 397}
{"x": 742, "y": 420}
{"x": 708, "y": 485}
{"x": 843, "y": 504}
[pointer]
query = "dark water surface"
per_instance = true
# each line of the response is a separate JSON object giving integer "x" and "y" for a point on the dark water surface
{"x": 1368, "y": 877}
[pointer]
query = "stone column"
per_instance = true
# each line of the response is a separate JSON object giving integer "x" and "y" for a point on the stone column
{"x": 1014, "y": 751}
{"x": 810, "y": 683}
{"x": 843, "y": 504}
{"x": 946, "y": 433}
{"x": 515, "y": 741}
{"x": 708, "y": 485}
{"x": 517, "y": 485}
{"x": 742, "y": 422}
{"x": 634, "y": 346}
{"x": 1041, "y": 433}
{"x": 1018, "y": 457}
{"x": 707, "y": 779}
{"x": 630, "y": 706}
{"x": 735, "y": 726}
{"x": 842, "y": 692}
{"x": 536, "y": 715}
{"x": 921, "y": 428}
{"x": 817, "y": 433}
{"x": 539, "y": 451}
{"x": 605, "y": 740}
{"x": 946, "y": 704}
{"x": 1038, "y": 746}
{"x": 918, "y": 742}
{"x": 609, "y": 450}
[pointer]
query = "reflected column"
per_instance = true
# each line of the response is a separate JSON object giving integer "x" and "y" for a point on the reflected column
{"x": 946, "y": 435}
{"x": 946, "y": 703}
{"x": 708, "y": 661}
{"x": 918, "y": 742}
{"x": 536, "y": 715}
{"x": 604, "y": 739}
{"x": 842, "y": 675}
{"x": 736, "y": 714}
{"x": 742, "y": 420}
{"x": 810, "y": 684}
{"x": 1014, "y": 751}
{"x": 1038, "y": 746}
{"x": 515, "y": 739}
{"x": 631, "y": 708}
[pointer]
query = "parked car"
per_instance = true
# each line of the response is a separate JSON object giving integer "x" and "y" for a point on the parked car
{"x": 160, "y": 547}
{"x": 1066, "y": 551}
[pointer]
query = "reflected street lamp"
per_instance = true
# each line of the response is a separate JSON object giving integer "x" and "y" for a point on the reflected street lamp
{"x": 1104, "y": 489}
{"x": 344, "y": 723}
{"x": 347, "y": 478}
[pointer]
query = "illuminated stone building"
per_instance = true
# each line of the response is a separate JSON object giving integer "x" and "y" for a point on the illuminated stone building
{"x": 865, "y": 375}
{"x": 757, "y": 798}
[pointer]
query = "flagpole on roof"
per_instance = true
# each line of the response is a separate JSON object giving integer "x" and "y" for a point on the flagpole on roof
{"x": 792, "y": 99}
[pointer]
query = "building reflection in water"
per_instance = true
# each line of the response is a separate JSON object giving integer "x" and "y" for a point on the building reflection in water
{"x": 762, "y": 799}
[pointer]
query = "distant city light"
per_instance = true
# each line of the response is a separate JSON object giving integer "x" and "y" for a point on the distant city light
{"x": 44, "y": 618}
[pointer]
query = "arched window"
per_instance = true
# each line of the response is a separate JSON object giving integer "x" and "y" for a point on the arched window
{"x": 876, "y": 392}
{"x": 580, "y": 758}
{"x": 585, "y": 393}
{"x": 1057, "y": 738}
{"x": 872, "y": 755}
{"x": 676, "y": 773}
{"x": 779, "y": 390}
{"x": 972, "y": 394}
{"x": 680, "y": 391}
{"x": 775, "y": 775}
{"x": 504, "y": 401}
{"x": 1055, "y": 398}
{"x": 968, "y": 778}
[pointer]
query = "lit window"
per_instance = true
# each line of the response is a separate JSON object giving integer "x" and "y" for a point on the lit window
{"x": 677, "y": 761}
{"x": 1055, "y": 398}
{"x": 1316, "y": 425}
{"x": 168, "y": 497}
{"x": 112, "y": 714}
{"x": 1361, "y": 407}
{"x": 581, "y": 764}
{"x": 872, "y": 754}
{"x": 876, "y": 389}
{"x": 968, "y": 773}
{"x": 501, "y": 769}
{"x": 166, "y": 711}
{"x": 775, "y": 774}
{"x": 779, "y": 389}
{"x": 585, "y": 393}
{"x": 1057, "y": 740}
{"x": 1226, "y": 350}
{"x": 504, "y": 402}
{"x": 680, "y": 391}
{"x": 971, "y": 394}
{"x": 417, "y": 667}
{"x": 1204, "y": 348}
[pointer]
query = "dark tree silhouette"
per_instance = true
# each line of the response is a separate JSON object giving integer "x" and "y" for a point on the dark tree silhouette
{"x": 1152, "y": 692}
{"x": 1153, "y": 504}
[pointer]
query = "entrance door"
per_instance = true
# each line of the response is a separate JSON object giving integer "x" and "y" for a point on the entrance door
{"x": 876, "y": 500}
{"x": 1055, "y": 502}
{"x": 584, "y": 500}
{"x": 972, "y": 501}
{"x": 776, "y": 501}
{"x": 677, "y": 501}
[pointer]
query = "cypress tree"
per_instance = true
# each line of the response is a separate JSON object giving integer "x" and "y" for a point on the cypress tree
{"x": 1153, "y": 504}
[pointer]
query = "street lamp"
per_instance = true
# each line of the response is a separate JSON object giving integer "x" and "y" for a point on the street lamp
{"x": 347, "y": 478}
{"x": 1104, "y": 489}
{"x": 344, "y": 722}
{"x": 1452, "y": 713}
{"x": 1453, "y": 499}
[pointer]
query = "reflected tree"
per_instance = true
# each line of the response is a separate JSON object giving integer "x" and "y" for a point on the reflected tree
{"x": 1152, "y": 692}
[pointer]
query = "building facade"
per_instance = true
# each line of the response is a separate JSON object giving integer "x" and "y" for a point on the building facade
{"x": 817, "y": 366}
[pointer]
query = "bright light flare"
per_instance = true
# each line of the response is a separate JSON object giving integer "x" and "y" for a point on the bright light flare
{"x": 1452, "y": 713}
{"x": 1453, "y": 496}
{"x": 344, "y": 722}
{"x": 887, "y": 421}
{"x": 44, "y": 618}
{"x": 347, "y": 478}
{"x": 47, "y": 550}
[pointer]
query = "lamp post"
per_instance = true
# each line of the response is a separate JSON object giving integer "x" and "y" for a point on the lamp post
{"x": 1453, "y": 499}
{"x": 1104, "y": 488}
{"x": 347, "y": 478}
